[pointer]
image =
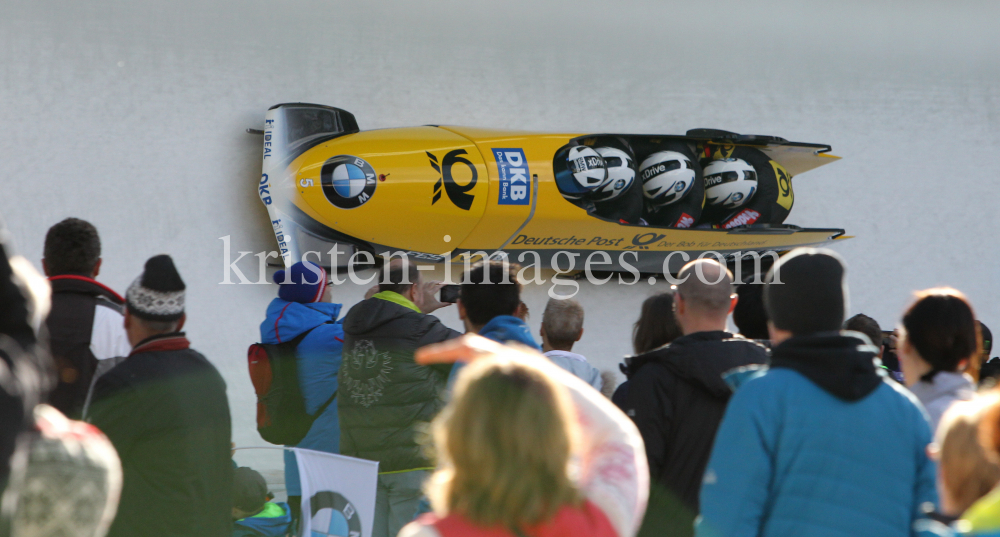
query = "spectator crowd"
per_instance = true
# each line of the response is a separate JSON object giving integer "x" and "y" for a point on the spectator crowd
{"x": 805, "y": 422}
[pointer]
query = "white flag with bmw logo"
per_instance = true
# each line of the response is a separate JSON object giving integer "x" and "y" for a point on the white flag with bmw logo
{"x": 338, "y": 494}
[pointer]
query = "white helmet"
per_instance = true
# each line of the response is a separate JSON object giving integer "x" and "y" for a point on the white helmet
{"x": 587, "y": 170}
{"x": 621, "y": 173}
{"x": 667, "y": 177}
{"x": 729, "y": 182}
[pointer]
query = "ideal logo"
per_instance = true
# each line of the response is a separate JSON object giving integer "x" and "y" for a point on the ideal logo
{"x": 458, "y": 194}
{"x": 513, "y": 170}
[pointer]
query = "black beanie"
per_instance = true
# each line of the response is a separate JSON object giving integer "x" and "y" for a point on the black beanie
{"x": 158, "y": 293}
{"x": 249, "y": 490}
{"x": 812, "y": 294}
{"x": 749, "y": 315}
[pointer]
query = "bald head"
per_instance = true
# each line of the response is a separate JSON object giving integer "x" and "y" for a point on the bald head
{"x": 707, "y": 288}
{"x": 705, "y": 298}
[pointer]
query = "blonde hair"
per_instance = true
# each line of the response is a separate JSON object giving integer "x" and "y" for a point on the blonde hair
{"x": 968, "y": 470}
{"x": 504, "y": 444}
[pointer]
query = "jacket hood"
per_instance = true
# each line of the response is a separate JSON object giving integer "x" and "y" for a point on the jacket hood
{"x": 287, "y": 320}
{"x": 270, "y": 522}
{"x": 504, "y": 328}
{"x": 944, "y": 384}
{"x": 75, "y": 283}
{"x": 841, "y": 364}
{"x": 703, "y": 357}
{"x": 371, "y": 313}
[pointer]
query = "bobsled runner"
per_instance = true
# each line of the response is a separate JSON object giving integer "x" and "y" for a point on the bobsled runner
{"x": 440, "y": 193}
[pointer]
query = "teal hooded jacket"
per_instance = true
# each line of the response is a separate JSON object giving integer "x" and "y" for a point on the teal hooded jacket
{"x": 817, "y": 446}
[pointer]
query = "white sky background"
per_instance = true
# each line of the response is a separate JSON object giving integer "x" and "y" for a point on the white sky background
{"x": 132, "y": 115}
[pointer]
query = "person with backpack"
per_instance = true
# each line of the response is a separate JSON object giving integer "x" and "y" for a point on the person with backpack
{"x": 301, "y": 323}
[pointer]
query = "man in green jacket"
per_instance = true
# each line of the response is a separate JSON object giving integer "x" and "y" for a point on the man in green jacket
{"x": 165, "y": 410}
{"x": 386, "y": 400}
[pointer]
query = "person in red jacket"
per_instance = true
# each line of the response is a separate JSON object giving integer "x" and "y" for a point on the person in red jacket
{"x": 505, "y": 445}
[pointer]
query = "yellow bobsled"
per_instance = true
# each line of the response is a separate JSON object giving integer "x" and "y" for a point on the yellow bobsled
{"x": 440, "y": 193}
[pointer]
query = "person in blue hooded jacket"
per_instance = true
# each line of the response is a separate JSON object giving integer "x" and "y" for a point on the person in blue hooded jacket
{"x": 303, "y": 305}
{"x": 802, "y": 447}
{"x": 489, "y": 304}
{"x": 253, "y": 515}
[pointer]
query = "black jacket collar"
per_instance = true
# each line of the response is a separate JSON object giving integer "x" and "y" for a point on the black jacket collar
{"x": 842, "y": 365}
{"x": 76, "y": 283}
{"x": 171, "y": 341}
{"x": 702, "y": 358}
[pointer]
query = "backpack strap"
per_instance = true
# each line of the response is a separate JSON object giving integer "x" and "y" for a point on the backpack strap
{"x": 294, "y": 343}
{"x": 326, "y": 404}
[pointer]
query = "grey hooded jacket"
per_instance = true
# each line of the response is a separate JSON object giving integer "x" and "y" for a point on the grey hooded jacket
{"x": 943, "y": 390}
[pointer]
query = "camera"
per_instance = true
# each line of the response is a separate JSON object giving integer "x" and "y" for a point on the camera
{"x": 450, "y": 293}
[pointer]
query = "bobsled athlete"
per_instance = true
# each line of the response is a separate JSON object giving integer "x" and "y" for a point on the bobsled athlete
{"x": 744, "y": 186}
{"x": 505, "y": 442}
{"x": 672, "y": 185}
{"x": 600, "y": 177}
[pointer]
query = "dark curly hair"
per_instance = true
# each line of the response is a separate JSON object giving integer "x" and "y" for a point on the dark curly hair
{"x": 867, "y": 326}
{"x": 72, "y": 247}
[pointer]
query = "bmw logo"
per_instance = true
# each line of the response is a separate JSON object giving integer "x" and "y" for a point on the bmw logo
{"x": 680, "y": 186}
{"x": 347, "y": 181}
{"x": 737, "y": 197}
{"x": 332, "y": 515}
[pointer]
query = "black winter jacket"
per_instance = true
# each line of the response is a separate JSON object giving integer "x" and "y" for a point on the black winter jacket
{"x": 386, "y": 400}
{"x": 71, "y": 324}
{"x": 165, "y": 410}
{"x": 676, "y": 397}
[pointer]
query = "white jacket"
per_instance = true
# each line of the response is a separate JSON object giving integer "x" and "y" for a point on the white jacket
{"x": 578, "y": 365}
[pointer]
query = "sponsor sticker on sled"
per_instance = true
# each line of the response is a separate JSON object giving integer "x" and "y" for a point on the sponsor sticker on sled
{"x": 785, "y": 195}
{"x": 513, "y": 170}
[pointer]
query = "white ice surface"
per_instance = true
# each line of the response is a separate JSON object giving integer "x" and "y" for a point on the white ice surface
{"x": 132, "y": 115}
